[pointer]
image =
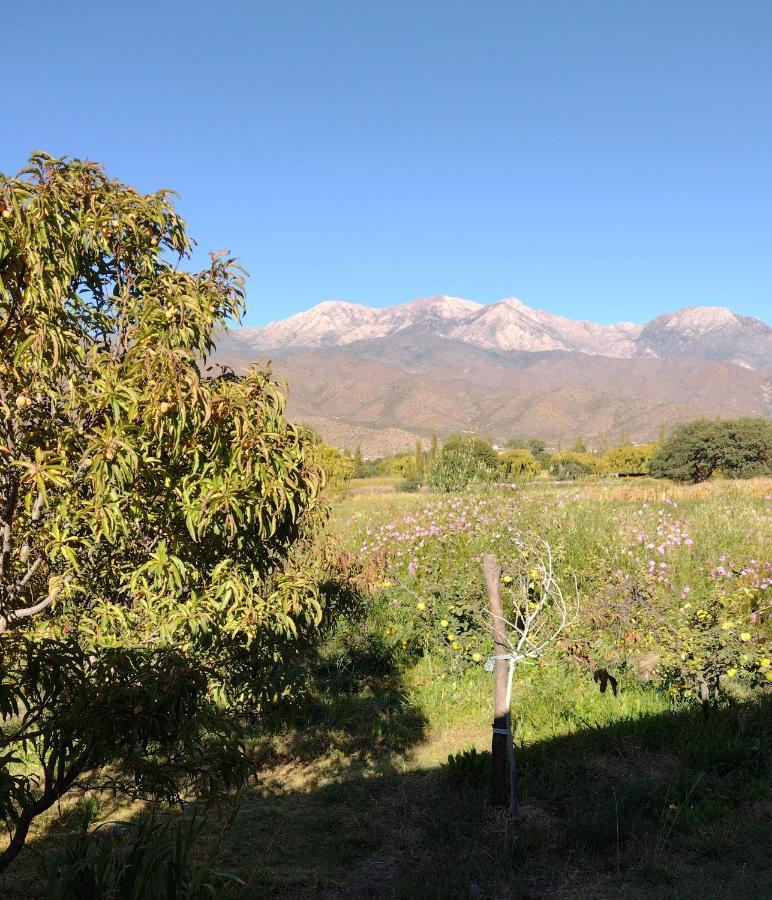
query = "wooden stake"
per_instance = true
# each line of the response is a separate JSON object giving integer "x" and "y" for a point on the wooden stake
{"x": 502, "y": 794}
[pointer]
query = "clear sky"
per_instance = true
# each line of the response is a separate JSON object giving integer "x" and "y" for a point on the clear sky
{"x": 599, "y": 159}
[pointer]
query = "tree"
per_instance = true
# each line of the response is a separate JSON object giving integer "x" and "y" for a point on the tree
{"x": 157, "y": 516}
{"x": 738, "y": 448}
{"x": 464, "y": 461}
{"x": 359, "y": 466}
{"x": 338, "y": 469}
{"x": 630, "y": 460}
{"x": 420, "y": 466}
{"x": 579, "y": 446}
{"x": 570, "y": 464}
{"x": 401, "y": 464}
{"x": 433, "y": 451}
{"x": 518, "y": 465}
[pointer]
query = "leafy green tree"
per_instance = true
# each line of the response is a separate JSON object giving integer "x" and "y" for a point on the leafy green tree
{"x": 420, "y": 462}
{"x": 157, "y": 516}
{"x": 433, "y": 451}
{"x": 518, "y": 465}
{"x": 401, "y": 464}
{"x": 464, "y": 461}
{"x": 747, "y": 448}
{"x": 359, "y": 470}
{"x": 338, "y": 469}
{"x": 570, "y": 464}
{"x": 579, "y": 446}
{"x": 630, "y": 460}
{"x": 737, "y": 448}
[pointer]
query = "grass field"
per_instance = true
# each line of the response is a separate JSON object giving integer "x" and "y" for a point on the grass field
{"x": 627, "y": 795}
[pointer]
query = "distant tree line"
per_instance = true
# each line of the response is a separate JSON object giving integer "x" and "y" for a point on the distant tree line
{"x": 740, "y": 448}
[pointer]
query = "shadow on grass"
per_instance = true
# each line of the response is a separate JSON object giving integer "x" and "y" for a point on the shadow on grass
{"x": 659, "y": 806}
{"x": 354, "y": 707}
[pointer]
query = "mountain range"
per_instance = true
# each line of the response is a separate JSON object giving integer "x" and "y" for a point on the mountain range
{"x": 384, "y": 378}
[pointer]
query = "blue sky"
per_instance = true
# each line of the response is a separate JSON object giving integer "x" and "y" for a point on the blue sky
{"x": 600, "y": 159}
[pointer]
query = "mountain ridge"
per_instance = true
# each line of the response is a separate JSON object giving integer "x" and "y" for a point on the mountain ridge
{"x": 386, "y": 378}
{"x": 510, "y": 325}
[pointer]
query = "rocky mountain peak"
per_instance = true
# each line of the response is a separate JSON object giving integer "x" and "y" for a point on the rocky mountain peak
{"x": 714, "y": 333}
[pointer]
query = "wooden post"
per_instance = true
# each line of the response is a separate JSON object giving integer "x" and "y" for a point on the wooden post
{"x": 501, "y": 743}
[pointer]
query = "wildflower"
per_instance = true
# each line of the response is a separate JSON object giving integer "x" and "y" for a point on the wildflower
{"x": 727, "y": 625}
{"x": 730, "y": 673}
{"x": 745, "y": 636}
{"x": 768, "y": 674}
{"x": 444, "y": 623}
{"x": 476, "y": 657}
{"x": 387, "y": 583}
{"x": 764, "y": 662}
{"x": 420, "y": 606}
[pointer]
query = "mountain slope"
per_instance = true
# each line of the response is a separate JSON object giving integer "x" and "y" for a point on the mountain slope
{"x": 384, "y": 378}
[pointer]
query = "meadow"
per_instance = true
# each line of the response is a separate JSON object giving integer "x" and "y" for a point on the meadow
{"x": 371, "y": 777}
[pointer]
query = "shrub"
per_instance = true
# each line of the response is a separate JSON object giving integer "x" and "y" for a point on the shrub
{"x": 629, "y": 460}
{"x": 518, "y": 465}
{"x": 570, "y": 465}
{"x": 464, "y": 461}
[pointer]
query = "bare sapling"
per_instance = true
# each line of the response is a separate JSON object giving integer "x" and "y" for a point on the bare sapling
{"x": 537, "y": 613}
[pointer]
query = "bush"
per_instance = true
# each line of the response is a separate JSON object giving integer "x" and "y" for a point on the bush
{"x": 518, "y": 465}
{"x": 571, "y": 464}
{"x": 629, "y": 460}
{"x": 740, "y": 448}
{"x": 464, "y": 461}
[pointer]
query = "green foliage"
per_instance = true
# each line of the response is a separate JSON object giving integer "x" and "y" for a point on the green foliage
{"x": 518, "y": 465}
{"x": 400, "y": 464}
{"x": 579, "y": 445}
{"x": 151, "y": 858}
{"x": 738, "y": 448}
{"x": 535, "y": 446}
{"x": 358, "y": 470}
{"x": 629, "y": 460}
{"x": 146, "y": 502}
{"x": 338, "y": 469}
{"x": 468, "y": 767}
{"x": 420, "y": 461}
{"x": 570, "y": 464}
{"x": 464, "y": 461}
{"x": 433, "y": 451}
